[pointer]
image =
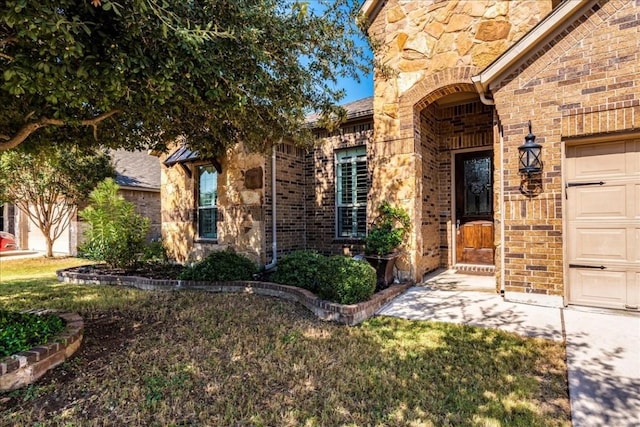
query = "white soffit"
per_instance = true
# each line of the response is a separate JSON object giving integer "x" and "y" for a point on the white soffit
{"x": 370, "y": 9}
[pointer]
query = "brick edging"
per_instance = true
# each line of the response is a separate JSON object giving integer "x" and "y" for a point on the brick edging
{"x": 26, "y": 367}
{"x": 350, "y": 314}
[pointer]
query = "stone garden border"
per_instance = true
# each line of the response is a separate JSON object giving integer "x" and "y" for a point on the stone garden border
{"x": 26, "y": 367}
{"x": 351, "y": 314}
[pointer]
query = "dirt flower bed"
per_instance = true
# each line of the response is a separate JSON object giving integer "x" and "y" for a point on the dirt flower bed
{"x": 147, "y": 270}
{"x": 349, "y": 314}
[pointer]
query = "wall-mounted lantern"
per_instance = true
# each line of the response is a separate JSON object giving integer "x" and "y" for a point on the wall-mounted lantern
{"x": 530, "y": 166}
{"x": 530, "y": 162}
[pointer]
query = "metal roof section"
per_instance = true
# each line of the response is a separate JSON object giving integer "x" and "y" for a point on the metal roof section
{"x": 181, "y": 155}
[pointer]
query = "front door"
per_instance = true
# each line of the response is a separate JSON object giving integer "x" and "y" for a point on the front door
{"x": 474, "y": 207}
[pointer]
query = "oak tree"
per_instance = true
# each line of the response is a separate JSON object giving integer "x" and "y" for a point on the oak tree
{"x": 139, "y": 73}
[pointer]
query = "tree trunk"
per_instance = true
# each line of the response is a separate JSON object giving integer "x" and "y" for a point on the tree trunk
{"x": 49, "y": 246}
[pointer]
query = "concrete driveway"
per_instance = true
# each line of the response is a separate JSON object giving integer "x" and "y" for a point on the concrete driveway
{"x": 603, "y": 347}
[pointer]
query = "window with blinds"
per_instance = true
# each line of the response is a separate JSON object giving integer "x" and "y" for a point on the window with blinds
{"x": 351, "y": 192}
{"x": 207, "y": 202}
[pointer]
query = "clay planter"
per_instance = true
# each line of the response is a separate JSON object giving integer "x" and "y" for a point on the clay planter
{"x": 384, "y": 268}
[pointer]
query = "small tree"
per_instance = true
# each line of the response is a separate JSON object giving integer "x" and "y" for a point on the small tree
{"x": 47, "y": 185}
{"x": 116, "y": 233}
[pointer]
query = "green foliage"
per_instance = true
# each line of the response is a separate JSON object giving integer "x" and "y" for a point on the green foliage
{"x": 339, "y": 279}
{"x": 23, "y": 331}
{"x": 346, "y": 280}
{"x": 388, "y": 230}
{"x": 221, "y": 266}
{"x": 116, "y": 233}
{"x": 138, "y": 71}
{"x": 299, "y": 268}
{"x": 49, "y": 183}
{"x": 155, "y": 252}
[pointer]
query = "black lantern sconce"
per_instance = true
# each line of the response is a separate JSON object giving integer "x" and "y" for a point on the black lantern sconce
{"x": 530, "y": 166}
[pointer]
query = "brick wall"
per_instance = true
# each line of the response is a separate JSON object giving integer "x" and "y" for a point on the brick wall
{"x": 432, "y": 245}
{"x": 321, "y": 188}
{"x": 585, "y": 81}
{"x": 147, "y": 204}
{"x": 442, "y": 130}
{"x": 291, "y": 223}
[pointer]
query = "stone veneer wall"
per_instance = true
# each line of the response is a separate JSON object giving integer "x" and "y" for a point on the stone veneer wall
{"x": 585, "y": 81}
{"x": 433, "y": 49}
{"x": 240, "y": 208}
{"x": 321, "y": 187}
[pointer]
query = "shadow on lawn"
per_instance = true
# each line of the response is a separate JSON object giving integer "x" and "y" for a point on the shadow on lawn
{"x": 193, "y": 358}
{"x": 415, "y": 372}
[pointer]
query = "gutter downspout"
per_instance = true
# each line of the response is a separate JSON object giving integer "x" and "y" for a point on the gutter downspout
{"x": 502, "y": 207}
{"x": 486, "y": 100}
{"x": 274, "y": 243}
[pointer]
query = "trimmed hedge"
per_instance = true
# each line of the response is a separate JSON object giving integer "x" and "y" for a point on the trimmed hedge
{"x": 337, "y": 279}
{"x": 300, "y": 268}
{"x": 221, "y": 266}
{"x": 346, "y": 281}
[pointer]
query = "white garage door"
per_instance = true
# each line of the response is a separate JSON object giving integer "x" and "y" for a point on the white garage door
{"x": 603, "y": 224}
{"x": 37, "y": 241}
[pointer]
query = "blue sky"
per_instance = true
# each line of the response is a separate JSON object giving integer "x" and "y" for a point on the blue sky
{"x": 354, "y": 90}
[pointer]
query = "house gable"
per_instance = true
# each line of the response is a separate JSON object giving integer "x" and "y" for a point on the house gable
{"x": 580, "y": 81}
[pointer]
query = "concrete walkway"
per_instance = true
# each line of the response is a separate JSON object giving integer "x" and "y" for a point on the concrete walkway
{"x": 603, "y": 347}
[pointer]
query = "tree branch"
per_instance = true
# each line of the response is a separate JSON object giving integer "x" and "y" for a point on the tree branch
{"x": 29, "y": 128}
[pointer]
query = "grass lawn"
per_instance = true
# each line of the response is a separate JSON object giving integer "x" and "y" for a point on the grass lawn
{"x": 189, "y": 358}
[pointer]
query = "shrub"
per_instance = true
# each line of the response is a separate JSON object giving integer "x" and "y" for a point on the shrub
{"x": 388, "y": 230}
{"x": 155, "y": 252}
{"x": 346, "y": 281}
{"x": 299, "y": 268}
{"x": 116, "y": 233}
{"x": 221, "y": 266}
{"x": 23, "y": 331}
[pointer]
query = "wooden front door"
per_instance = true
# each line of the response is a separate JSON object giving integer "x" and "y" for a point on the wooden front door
{"x": 474, "y": 208}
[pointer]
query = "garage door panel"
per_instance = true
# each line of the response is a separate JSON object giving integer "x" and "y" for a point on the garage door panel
{"x": 603, "y": 224}
{"x": 591, "y": 244}
{"x": 633, "y": 296}
{"x": 599, "y": 202}
{"x": 597, "y": 160}
{"x": 596, "y": 287}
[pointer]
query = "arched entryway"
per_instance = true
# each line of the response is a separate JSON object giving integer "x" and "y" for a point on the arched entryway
{"x": 455, "y": 133}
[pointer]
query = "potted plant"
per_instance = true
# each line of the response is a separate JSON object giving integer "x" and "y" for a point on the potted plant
{"x": 386, "y": 234}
